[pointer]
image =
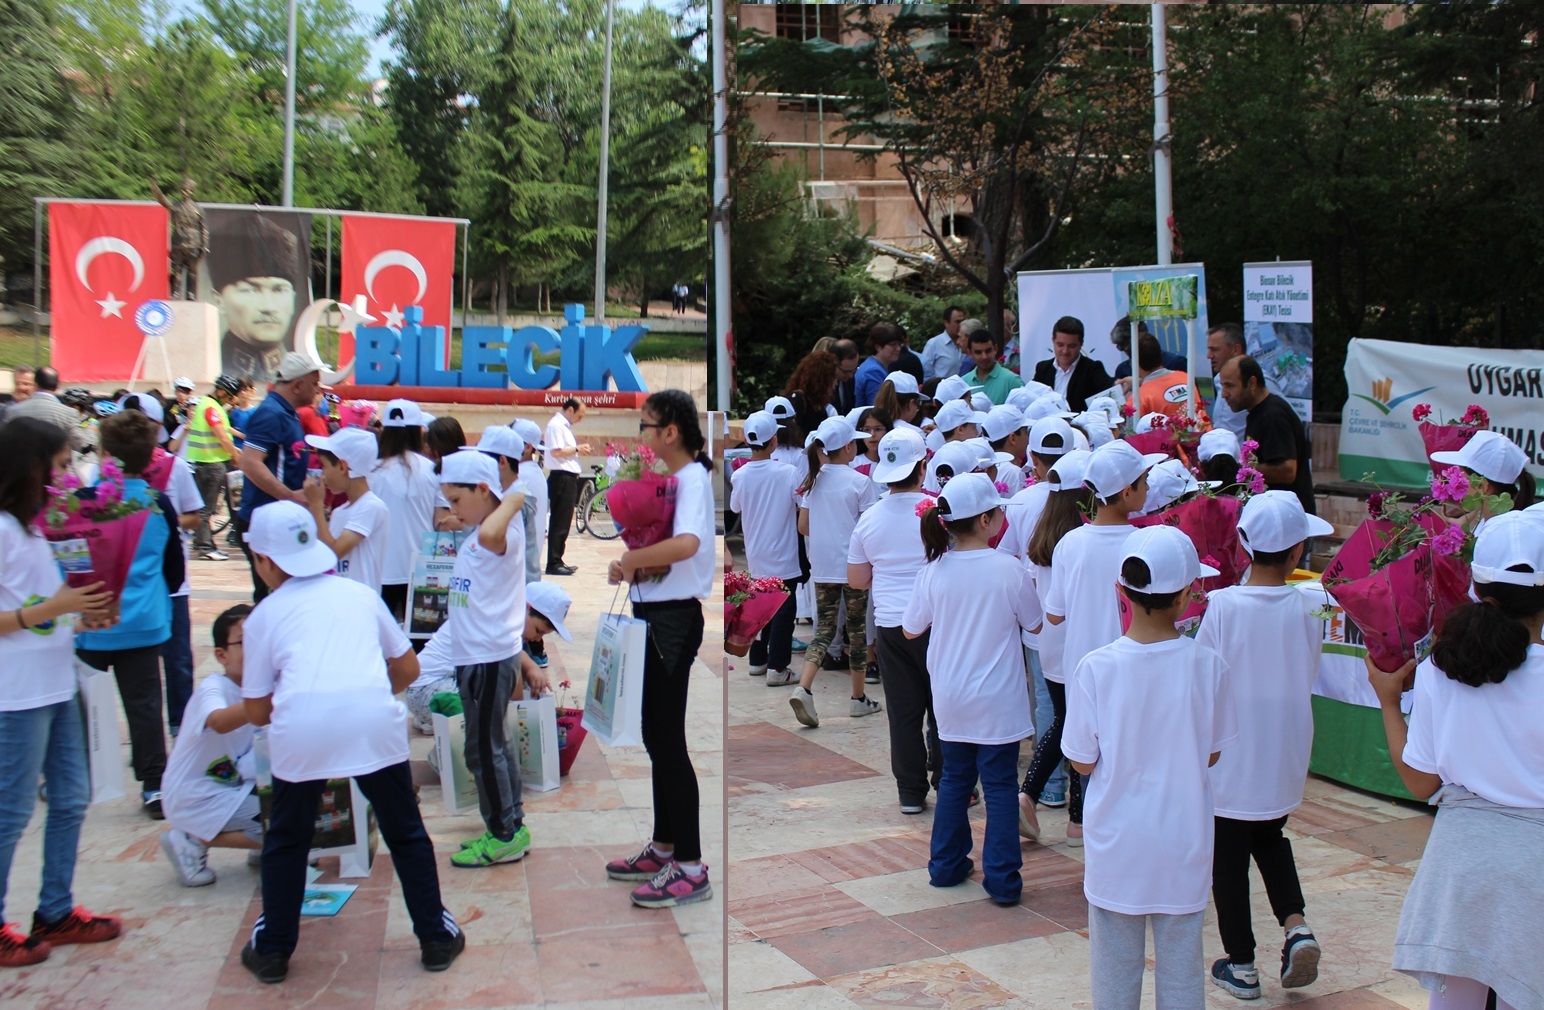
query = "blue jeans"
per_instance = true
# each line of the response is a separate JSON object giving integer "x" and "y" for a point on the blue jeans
{"x": 1045, "y": 714}
{"x": 50, "y": 741}
{"x": 177, "y": 662}
{"x": 997, "y": 766}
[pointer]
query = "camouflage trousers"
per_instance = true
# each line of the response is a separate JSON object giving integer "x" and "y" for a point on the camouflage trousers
{"x": 828, "y": 602}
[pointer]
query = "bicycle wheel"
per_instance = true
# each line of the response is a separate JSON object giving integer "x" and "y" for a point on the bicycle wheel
{"x": 597, "y": 519}
{"x": 224, "y": 511}
{"x": 581, "y": 507}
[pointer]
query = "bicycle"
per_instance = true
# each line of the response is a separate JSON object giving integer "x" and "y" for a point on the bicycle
{"x": 592, "y": 514}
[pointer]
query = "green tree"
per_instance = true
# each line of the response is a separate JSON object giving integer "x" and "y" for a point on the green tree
{"x": 330, "y": 52}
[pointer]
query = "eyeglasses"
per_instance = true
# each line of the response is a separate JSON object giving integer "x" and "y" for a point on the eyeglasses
{"x": 874, "y": 429}
{"x": 231, "y": 645}
{"x": 645, "y": 425}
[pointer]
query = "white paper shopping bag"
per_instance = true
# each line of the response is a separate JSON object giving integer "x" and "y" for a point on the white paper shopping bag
{"x": 456, "y": 782}
{"x": 533, "y": 727}
{"x": 104, "y": 742}
{"x": 613, "y": 701}
{"x": 428, "y": 597}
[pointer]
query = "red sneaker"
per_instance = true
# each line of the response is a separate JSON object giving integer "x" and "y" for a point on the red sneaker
{"x": 644, "y": 866}
{"x": 17, "y": 950}
{"x": 80, "y": 926}
{"x": 673, "y": 886}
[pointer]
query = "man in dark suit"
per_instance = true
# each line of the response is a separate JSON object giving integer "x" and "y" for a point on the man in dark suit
{"x": 847, "y": 357}
{"x": 1069, "y": 372}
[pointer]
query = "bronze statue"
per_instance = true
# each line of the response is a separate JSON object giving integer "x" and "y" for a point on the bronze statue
{"x": 190, "y": 238}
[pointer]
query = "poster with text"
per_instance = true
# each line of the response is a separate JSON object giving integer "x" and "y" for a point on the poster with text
{"x": 1278, "y": 329}
{"x": 258, "y": 275}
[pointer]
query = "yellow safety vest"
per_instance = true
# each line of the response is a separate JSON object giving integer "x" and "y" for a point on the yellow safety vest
{"x": 203, "y": 444}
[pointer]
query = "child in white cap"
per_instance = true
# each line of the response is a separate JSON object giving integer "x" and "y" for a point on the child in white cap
{"x": 323, "y": 660}
{"x": 486, "y": 618}
{"x": 1147, "y": 715}
{"x": 901, "y": 398}
{"x": 1007, "y": 431}
{"x": 1266, "y": 633}
{"x": 968, "y": 594}
{"x": 535, "y": 486}
{"x": 831, "y": 499}
{"x": 359, "y": 528}
{"x": 1219, "y": 454}
{"x": 404, "y": 479}
{"x": 1501, "y": 468}
{"x": 764, "y": 493}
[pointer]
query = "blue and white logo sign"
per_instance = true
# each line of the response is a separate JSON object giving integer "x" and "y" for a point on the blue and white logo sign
{"x": 154, "y": 318}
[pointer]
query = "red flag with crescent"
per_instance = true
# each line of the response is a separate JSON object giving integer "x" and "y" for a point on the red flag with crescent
{"x": 396, "y": 262}
{"x": 105, "y": 261}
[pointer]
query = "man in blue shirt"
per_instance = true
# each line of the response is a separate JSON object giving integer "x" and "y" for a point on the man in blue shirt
{"x": 274, "y": 457}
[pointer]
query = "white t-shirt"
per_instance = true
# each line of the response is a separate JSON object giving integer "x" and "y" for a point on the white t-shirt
{"x": 969, "y": 599}
{"x": 1010, "y": 477}
{"x": 409, "y": 487}
{"x": 434, "y": 662}
{"x": 691, "y": 579}
{"x": 765, "y": 494}
{"x": 487, "y": 599}
{"x": 1084, "y": 569}
{"x": 1148, "y": 718}
{"x": 1023, "y": 514}
{"x": 203, "y": 785}
{"x": 840, "y": 495}
{"x": 319, "y": 645}
{"x": 536, "y": 487}
{"x": 1270, "y": 641}
{"x": 889, "y": 537}
{"x": 182, "y": 489}
{"x": 560, "y": 435}
{"x": 1488, "y": 739}
{"x": 371, "y": 519}
{"x": 37, "y": 666}
{"x": 795, "y": 457}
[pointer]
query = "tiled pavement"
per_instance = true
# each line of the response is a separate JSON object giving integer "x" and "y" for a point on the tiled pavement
{"x": 549, "y": 931}
{"x": 830, "y": 905}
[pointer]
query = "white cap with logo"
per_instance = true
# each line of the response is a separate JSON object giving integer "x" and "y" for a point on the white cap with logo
{"x": 354, "y": 447}
{"x": 285, "y": 533}
{"x": 899, "y": 453}
{"x": 1275, "y": 521}
{"x": 471, "y": 467}
{"x": 1171, "y": 560}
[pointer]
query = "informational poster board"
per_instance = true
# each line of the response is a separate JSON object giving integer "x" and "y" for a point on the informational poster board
{"x": 1278, "y": 328}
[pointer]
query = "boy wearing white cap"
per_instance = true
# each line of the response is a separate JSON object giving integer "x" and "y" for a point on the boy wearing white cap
{"x": 764, "y": 494}
{"x": 1150, "y": 707}
{"x": 323, "y": 658}
{"x": 1007, "y": 431}
{"x": 359, "y": 528}
{"x": 1219, "y": 453}
{"x": 1265, "y": 632}
{"x": 486, "y": 619}
{"x": 536, "y": 494}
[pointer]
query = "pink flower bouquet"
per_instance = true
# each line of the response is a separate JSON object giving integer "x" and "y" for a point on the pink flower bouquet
{"x": 642, "y": 498}
{"x": 1451, "y": 436}
{"x": 749, "y": 606}
{"x": 571, "y": 731}
{"x": 94, "y": 532}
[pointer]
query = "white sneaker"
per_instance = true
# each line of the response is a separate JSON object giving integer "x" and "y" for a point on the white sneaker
{"x": 781, "y": 678}
{"x": 804, "y": 707}
{"x": 188, "y": 858}
{"x": 759, "y": 671}
{"x": 216, "y": 556}
{"x": 860, "y": 707}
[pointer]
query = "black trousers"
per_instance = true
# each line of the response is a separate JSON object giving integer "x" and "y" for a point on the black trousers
{"x": 259, "y": 587}
{"x": 773, "y": 648}
{"x": 138, "y": 672}
{"x": 1048, "y": 756}
{"x": 291, "y": 826}
{"x": 210, "y": 478}
{"x": 908, "y": 701}
{"x": 562, "y": 496}
{"x": 1236, "y": 843}
{"x": 675, "y": 635}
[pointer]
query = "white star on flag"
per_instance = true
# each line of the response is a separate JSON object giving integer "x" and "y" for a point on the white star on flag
{"x": 394, "y": 317}
{"x": 111, "y": 306}
{"x": 352, "y": 319}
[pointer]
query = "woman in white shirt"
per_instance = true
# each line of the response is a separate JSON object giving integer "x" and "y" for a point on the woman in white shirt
{"x": 1474, "y": 747}
{"x": 405, "y": 480}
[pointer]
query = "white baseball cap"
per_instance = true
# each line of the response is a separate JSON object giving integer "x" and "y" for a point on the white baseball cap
{"x": 1106, "y": 406}
{"x": 953, "y": 414}
{"x": 531, "y": 434}
{"x": 969, "y": 495}
{"x": 402, "y": 414}
{"x": 1049, "y": 405}
{"x": 147, "y": 405}
{"x": 183, "y": 382}
{"x": 1003, "y": 421}
{"x": 1171, "y": 480}
{"x": 981, "y": 401}
{"x": 780, "y": 407}
{"x": 354, "y": 447}
{"x": 1080, "y": 440}
{"x": 1145, "y": 422}
{"x": 500, "y": 440}
{"x": 905, "y": 383}
{"x": 284, "y": 532}
{"x": 835, "y": 432}
{"x": 1218, "y": 442}
{"x": 1067, "y": 473}
{"x": 899, "y": 453}
{"x": 550, "y": 601}
{"x": 469, "y": 466}
{"x": 855, "y": 416}
{"x": 1489, "y": 454}
{"x": 1275, "y": 521}
{"x": 1096, "y": 426}
{"x": 950, "y": 387}
{"x": 1170, "y": 557}
{"x": 760, "y": 428}
{"x": 959, "y": 457}
{"x": 1050, "y": 436}
{"x": 295, "y": 365}
{"x": 986, "y": 456}
{"x": 1509, "y": 540}
{"x": 1116, "y": 466}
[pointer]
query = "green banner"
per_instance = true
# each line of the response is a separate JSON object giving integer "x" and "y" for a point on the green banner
{"x": 1164, "y": 298}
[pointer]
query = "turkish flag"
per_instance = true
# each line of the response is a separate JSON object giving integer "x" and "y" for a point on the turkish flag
{"x": 105, "y": 261}
{"x": 396, "y": 262}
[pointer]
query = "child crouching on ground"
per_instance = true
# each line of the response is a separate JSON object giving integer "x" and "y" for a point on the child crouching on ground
{"x": 207, "y": 792}
{"x": 323, "y": 659}
{"x": 1151, "y": 707}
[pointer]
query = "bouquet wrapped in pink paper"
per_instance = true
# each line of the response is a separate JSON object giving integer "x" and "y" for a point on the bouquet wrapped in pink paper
{"x": 1155, "y": 441}
{"x": 749, "y": 605}
{"x": 93, "y": 531}
{"x": 642, "y": 497}
{"x": 356, "y": 413}
{"x": 1451, "y": 436}
{"x": 1211, "y": 523}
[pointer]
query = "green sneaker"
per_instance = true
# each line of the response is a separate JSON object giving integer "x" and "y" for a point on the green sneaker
{"x": 489, "y": 850}
{"x": 469, "y": 842}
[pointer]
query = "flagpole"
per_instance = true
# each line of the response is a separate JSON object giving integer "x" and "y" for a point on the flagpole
{"x": 605, "y": 165}
{"x": 720, "y": 213}
{"x": 288, "y": 197}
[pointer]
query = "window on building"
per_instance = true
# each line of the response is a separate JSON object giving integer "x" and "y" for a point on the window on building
{"x": 809, "y": 21}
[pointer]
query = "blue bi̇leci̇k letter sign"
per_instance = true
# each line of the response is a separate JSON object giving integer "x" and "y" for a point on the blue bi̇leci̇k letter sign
{"x": 496, "y": 357}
